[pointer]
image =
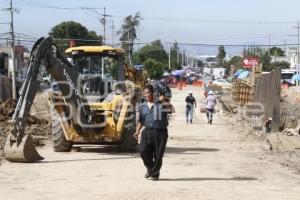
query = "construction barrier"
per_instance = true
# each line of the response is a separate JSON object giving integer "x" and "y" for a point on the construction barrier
{"x": 198, "y": 83}
{"x": 181, "y": 84}
{"x": 284, "y": 86}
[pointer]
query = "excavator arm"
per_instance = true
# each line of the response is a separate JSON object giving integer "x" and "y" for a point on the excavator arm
{"x": 19, "y": 146}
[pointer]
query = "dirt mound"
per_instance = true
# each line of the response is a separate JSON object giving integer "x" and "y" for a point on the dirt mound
{"x": 35, "y": 125}
{"x": 7, "y": 109}
{"x": 39, "y": 128}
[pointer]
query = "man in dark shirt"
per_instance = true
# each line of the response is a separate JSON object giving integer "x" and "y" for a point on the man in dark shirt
{"x": 268, "y": 125}
{"x": 154, "y": 117}
{"x": 190, "y": 104}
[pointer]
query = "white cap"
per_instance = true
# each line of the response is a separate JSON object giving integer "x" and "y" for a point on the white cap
{"x": 270, "y": 118}
{"x": 190, "y": 92}
{"x": 210, "y": 92}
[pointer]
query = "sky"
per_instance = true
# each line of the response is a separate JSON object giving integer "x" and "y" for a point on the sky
{"x": 189, "y": 22}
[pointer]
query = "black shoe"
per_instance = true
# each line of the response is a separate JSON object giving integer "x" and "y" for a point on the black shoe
{"x": 191, "y": 121}
{"x": 147, "y": 175}
{"x": 154, "y": 178}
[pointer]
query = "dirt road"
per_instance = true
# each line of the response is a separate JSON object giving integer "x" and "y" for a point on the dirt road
{"x": 202, "y": 162}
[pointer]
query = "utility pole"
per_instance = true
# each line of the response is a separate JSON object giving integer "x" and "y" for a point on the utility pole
{"x": 129, "y": 49}
{"x": 298, "y": 49}
{"x": 170, "y": 57}
{"x": 269, "y": 50}
{"x": 182, "y": 59}
{"x": 104, "y": 25}
{"x": 11, "y": 71}
{"x": 102, "y": 20}
{"x": 104, "y": 15}
{"x": 177, "y": 60}
{"x": 112, "y": 33}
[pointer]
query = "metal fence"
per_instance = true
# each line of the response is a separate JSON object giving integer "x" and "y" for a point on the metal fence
{"x": 267, "y": 92}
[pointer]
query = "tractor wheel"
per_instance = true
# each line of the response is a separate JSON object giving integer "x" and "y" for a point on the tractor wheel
{"x": 60, "y": 144}
{"x": 128, "y": 142}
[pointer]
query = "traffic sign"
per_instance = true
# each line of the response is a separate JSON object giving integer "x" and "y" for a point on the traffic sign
{"x": 249, "y": 62}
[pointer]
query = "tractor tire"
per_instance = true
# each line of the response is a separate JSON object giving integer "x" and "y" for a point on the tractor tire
{"x": 128, "y": 142}
{"x": 60, "y": 144}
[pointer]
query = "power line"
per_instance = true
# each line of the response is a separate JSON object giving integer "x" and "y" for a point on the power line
{"x": 298, "y": 48}
{"x": 2, "y": 34}
{"x": 254, "y": 22}
{"x": 29, "y": 30}
{"x": 25, "y": 37}
{"x": 258, "y": 22}
{"x": 102, "y": 20}
{"x": 43, "y": 5}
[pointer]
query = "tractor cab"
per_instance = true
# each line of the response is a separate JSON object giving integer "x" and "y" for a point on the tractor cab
{"x": 99, "y": 67}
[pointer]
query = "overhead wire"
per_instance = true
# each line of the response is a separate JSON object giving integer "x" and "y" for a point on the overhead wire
{"x": 262, "y": 22}
{"x": 169, "y": 19}
{"x": 43, "y": 5}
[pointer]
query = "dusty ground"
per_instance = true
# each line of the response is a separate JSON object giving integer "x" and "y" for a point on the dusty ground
{"x": 202, "y": 162}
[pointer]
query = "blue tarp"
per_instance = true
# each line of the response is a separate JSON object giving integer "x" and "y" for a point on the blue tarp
{"x": 296, "y": 77}
{"x": 177, "y": 72}
{"x": 238, "y": 73}
{"x": 243, "y": 75}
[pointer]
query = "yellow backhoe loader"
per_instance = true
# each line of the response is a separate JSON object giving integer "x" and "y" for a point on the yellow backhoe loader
{"x": 89, "y": 106}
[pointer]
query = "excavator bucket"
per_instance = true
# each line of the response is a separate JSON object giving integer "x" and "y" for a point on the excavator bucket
{"x": 23, "y": 151}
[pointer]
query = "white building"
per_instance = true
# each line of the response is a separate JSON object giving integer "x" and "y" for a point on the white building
{"x": 292, "y": 56}
{"x": 21, "y": 59}
{"x": 208, "y": 60}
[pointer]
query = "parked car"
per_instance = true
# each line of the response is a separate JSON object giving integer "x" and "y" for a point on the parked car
{"x": 222, "y": 82}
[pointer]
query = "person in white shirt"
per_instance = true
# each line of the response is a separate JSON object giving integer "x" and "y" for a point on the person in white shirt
{"x": 210, "y": 106}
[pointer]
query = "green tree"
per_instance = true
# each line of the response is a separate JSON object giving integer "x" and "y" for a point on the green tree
{"x": 221, "y": 55}
{"x": 69, "y": 30}
{"x": 252, "y": 50}
{"x": 235, "y": 61}
{"x": 128, "y": 33}
{"x": 275, "y": 51}
{"x": 280, "y": 64}
{"x": 176, "y": 56}
{"x": 154, "y": 57}
{"x": 200, "y": 63}
{"x": 154, "y": 50}
{"x": 265, "y": 60}
{"x": 154, "y": 68}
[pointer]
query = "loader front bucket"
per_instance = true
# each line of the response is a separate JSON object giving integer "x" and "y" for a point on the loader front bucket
{"x": 23, "y": 151}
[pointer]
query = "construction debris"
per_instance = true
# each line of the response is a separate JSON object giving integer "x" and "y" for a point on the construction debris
{"x": 7, "y": 109}
{"x": 243, "y": 92}
{"x": 291, "y": 132}
{"x": 283, "y": 143}
{"x": 36, "y": 125}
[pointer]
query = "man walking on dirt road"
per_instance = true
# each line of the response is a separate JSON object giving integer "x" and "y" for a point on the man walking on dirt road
{"x": 154, "y": 117}
{"x": 190, "y": 105}
{"x": 210, "y": 106}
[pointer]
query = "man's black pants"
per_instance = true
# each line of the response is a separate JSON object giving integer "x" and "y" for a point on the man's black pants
{"x": 152, "y": 148}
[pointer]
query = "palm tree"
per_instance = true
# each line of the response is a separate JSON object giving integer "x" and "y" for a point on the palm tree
{"x": 128, "y": 33}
